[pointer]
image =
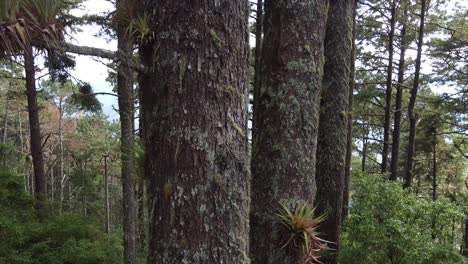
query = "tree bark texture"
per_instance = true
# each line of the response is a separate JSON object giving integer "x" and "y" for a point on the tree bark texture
{"x": 388, "y": 90}
{"x": 398, "y": 106}
{"x": 287, "y": 116}
{"x": 258, "y": 60}
{"x": 349, "y": 136}
{"x": 332, "y": 135}
{"x": 196, "y": 147}
{"x": 126, "y": 111}
{"x": 412, "y": 102}
{"x": 40, "y": 181}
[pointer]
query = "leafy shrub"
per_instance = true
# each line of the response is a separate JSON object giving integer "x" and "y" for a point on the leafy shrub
{"x": 390, "y": 225}
{"x": 57, "y": 239}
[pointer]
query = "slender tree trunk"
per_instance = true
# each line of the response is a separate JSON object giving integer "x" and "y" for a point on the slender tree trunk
{"x": 196, "y": 146}
{"x": 40, "y": 183}
{"x": 144, "y": 80}
{"x": 62, "y": 186}
{"x": 465, "y": 240}
{"x": 61, "y": 146}
{"x": 126, "y": 111}
{"x": 434, "y": 164}
{"x": 412, "y": 102}
{"x": 106, "y": 194}
{"x": 287, "y": 116}
{"x": 52, "y": 183}
{"x": 349, "y": 135}
{"x": 388, "y": 90}
{"x": 142, "y": 223}
{"x": 434, "y": 179}
{"x": 258, "y": 61}
{"x": 364, "y": 152}
{"x": 331, "y": 147}
{"x": 5, "y": 117}
{"x": 398, "y": 105}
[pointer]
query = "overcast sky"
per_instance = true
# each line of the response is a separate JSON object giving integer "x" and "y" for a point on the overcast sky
{"x": 95, "y": 72}
{"x": 88, "y": 69}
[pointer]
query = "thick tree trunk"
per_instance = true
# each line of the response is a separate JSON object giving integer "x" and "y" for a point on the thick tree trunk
{"x": 40, "y": 181}
{"x": 388, "y": 90}
{"x": 195, "y": 116}
{"x": 126, "y": 111}
{"x": 398, "y": 105}
{"x": 331, "y": 147}
{"x": 349, "y": 134}
{"x": 412, "y": 102}
{"x": 287, "y": 116}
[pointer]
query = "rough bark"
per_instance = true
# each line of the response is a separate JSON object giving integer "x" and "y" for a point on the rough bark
{"x": 287, "y": 115}
{"x": 398, "y": 106}
{"x": 126, "y": 112}
{"x": 40, "y": 180}
{"x": 332, "y": 135}
{"x": 349, "y": 135}
{"x": 388, "y": 90}
{"x": 258, "y": 60}
{"x": 412, "y": 102}
{"x": 195, "y": 115}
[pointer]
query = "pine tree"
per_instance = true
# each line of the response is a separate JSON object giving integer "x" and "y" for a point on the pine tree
{"x": 195, "y": 126}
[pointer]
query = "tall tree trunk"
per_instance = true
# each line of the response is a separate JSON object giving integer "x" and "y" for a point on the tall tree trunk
{"x": 364, "y": 151}
{"x": 349, "y": 134}
{"x": 465, "y": 240}
{"x": 196, "y": 146}
{"x": 106, "y": 195}
{"x": 434, "y": 179}
{"x": 126, "y": 111}
{"x": 388, "y": 90}
{"x": 40, "y": 181}
{"x": 398, "y": 104}
{"x": 258, "y": 61}
{"x": 412, "y": 102}
{"x": 142, "y": 223}
{"x": 61, "y": 147}
{"x": 143, "y": 197}
{"x": 434, "y": 165}
{"x": 52, "y": 182}
{"x": 287, "y": 116}
{"x": 5, "y": 117}
{"x": 331, "y": 147}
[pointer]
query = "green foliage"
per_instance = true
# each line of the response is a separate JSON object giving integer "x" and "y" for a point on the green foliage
{"x": 66, "y": 238}
{"x": 390, "y": 225}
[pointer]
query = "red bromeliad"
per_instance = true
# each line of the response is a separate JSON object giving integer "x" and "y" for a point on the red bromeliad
{"x": 300, "y": 221}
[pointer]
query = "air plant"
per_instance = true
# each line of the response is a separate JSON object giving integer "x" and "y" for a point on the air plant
{"x": 301, "y": 222}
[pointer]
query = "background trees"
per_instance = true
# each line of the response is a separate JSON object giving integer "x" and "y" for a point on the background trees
{"x": 191, "y": 69}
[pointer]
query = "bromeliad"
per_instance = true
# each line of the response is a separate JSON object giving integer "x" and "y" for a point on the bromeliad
{"x": 299, "y": 221}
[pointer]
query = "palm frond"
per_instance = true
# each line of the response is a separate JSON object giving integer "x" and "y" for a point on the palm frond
{"x": 25, "y": 23}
